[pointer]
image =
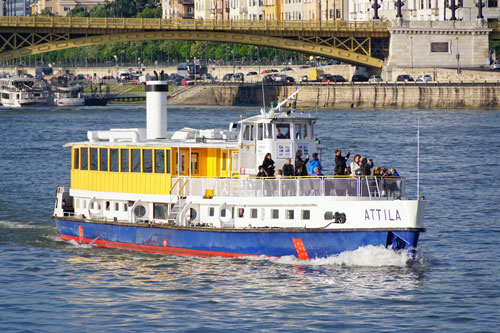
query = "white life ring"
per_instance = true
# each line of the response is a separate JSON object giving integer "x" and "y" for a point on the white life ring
{"x": 229, "y": 213}
{"x": 145, "y": 212}
{"x": 94, "y": 212}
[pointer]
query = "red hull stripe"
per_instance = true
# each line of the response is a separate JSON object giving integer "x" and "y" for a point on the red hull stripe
{"x": 156, "y": 249}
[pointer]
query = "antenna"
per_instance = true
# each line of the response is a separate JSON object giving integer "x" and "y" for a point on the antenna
{"x": 418, "y": 158}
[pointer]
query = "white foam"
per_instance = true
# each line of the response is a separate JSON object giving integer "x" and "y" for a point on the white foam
{"x": 78, "y": 245}
{"x": 22, "y": 225}
{"x": 367, "y": 256}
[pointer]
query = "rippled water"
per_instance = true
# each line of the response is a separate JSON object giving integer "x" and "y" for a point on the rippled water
{"x": 50, "y": 285}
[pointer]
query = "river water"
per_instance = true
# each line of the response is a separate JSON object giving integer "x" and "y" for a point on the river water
{"x": 48, "y": 285}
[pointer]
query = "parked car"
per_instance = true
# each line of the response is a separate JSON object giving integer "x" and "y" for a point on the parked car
{"x": 424, "y": 78}
{"x": 495, "y": 65}
{"x": 286, "y": 69}
{"x": 359, "y": 78}
{"x": 268, "y": 78}
{"x": 252, "y": 73}
{"x": 288, "y": 79}
{"x": 404, "y": 78}
{"x": 208, "y": 78}
{"x": 339, "y": 78}
{"x": 304, "y": 66}
{"x": 227, "y": 77}
{"x": 238, "y": 77}
{"x": 375, "y": 78}
{"x": 176, "y": 80}
{"x": 303, "y": 78}
{"x": 188, "y": 81}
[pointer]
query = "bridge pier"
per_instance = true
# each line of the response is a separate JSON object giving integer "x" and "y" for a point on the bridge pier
{"x": 446, "y": 44}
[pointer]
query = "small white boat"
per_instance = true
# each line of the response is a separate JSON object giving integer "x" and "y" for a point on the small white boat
{"x": 68, "y": 96}
{"x": 19, "y": 91}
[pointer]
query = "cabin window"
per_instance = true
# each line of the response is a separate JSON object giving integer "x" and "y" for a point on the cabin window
{"x": 282, "y": 131}
{"x": 180, "y": 163}
{"x": 147, "y": 160}
{"x": 268, "y": 131}
{"x": 136, "y": 160}
{"x": 248, "y": 133}
{"x": 223, "y": 213}
{"x": 103, "y": 154}
{"x": 241, "y": 212}
{"x": 117, "y": 206}
{"x": 253, "y": 213}
{"x": 260, "y": 132}
{"x": 328, "y": 216}
{"x": 234, "y": 161}
{"x": 114, "y": 160}
{"x": 211, "y": 211}
{"x": 125, "y": 207}
{"x": 289, "y": 214}
{"x": 108, "y": 205}
{"x": 301, "y": 131}
{"x": 168, "y": 161}
{"x": 275, "y": 214}
{"x": 159, "y": 161}
{"x": 160, "y": 211}
{"x": 306, "y": 214}
{"x": 125, "y": 160}
{"x": 76, "y": 158}
{"x": 140, "y": 211}
{"x": 93, "y": 159}
{"x": 85, "y": 159}
{"x": 224, "y": 161}
{"x": 194, "y": 163}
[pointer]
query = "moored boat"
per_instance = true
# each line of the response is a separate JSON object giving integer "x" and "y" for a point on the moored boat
{"x": 193, "y": 192}
{"x": 20, "y": 91}
{"x": 68, "y": 96}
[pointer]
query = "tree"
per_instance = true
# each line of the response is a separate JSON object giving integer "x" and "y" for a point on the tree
{"x": 47, "y": 12}
{"x": 78, "y": 12}
{"x": 150, "y": 13}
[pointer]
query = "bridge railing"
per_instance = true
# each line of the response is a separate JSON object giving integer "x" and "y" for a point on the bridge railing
{"x": 179, "y": 24}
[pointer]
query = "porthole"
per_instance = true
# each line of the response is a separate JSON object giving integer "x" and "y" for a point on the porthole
{"x": 328, "y": 215}
{"x": 140, "y": 211}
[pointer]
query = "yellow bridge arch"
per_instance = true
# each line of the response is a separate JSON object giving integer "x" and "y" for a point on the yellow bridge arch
{"x": 349, "y": 42}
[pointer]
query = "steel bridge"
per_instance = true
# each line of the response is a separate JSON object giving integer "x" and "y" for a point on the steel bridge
{"x": 359, "y": 43}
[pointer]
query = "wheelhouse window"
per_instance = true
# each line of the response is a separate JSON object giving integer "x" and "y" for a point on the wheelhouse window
{"x": 103, "y": 154}
{"x": 260, "y": 131}
{"x": 168, "y": 161}
{"x": 85, "y": 158}
{"x": 159, "y": 161}
{"x": 301, "y": 131}
{"x": 248, "y": 133}
{"x": 136, "y": 160}
{"x": 114, "y": 159}
{"x": 194, "y": 163}
{"x": 76, "y": 158}
{"x": 93, "y": 159}
{"x": 147, "y": 160}
{"x": 125, "y": 160}
{"x": 282, "y": 131}
{"x": 224, "y": 161}
{"x": 268, "y": 131}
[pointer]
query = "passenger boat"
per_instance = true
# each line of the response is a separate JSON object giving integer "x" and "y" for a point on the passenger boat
{"x": 194, "y": 192}
{"x": 19, "y": 91}
{"x": 68, "y": 96}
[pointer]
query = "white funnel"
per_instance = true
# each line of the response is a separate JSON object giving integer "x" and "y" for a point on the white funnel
{"x": 156, "y": 109}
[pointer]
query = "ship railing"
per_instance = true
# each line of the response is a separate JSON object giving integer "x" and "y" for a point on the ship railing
{"x": 375, "y": 188}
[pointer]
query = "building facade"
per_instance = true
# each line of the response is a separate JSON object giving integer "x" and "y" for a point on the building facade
{"x": 178, "y": 9}
{"x": 15, "y": 7}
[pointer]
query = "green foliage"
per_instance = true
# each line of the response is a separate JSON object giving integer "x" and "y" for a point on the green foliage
{"x": 46, "y": 12}
{"x": 78, "y": 12}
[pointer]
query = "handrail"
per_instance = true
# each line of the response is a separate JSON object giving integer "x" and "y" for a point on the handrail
{"x": 178, "y": 179}
{"x": 182, "y": 187}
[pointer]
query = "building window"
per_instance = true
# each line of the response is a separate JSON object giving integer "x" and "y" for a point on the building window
{"x": 492, "y": 3}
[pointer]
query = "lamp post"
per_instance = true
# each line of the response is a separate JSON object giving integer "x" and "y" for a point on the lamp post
{"x": 453, "y": 7}
{"x": 375, "y": 7}
{"x": 480, "y": 5}
{"x": 399, "y": 4}
{"x": 258, "y": 58}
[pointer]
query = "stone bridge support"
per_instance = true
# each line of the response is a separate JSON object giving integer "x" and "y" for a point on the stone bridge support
{"x": 428, "y": 44}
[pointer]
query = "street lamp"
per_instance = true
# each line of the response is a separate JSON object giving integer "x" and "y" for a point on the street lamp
{"x": 375, "y": 7}
{"x": 453, "y": 7}
{"x": 258, "y": 58}
{"x": 480, "y": 5}
{"x": 399, "y": 4}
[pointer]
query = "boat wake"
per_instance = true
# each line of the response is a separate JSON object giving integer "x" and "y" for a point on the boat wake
{"x": 367, "y": 256}
{"x": 22, "y": 225}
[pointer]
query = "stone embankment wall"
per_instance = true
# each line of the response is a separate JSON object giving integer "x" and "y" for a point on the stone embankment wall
{"x": 348, "y": 96}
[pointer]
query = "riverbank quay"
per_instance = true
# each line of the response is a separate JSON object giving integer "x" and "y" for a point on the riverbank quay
{"x": 459, "y": 95}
